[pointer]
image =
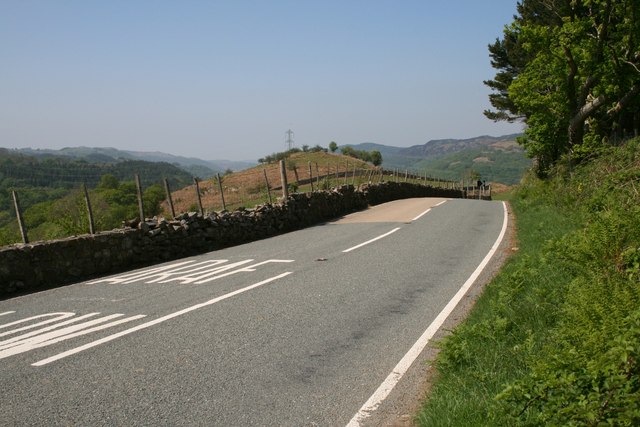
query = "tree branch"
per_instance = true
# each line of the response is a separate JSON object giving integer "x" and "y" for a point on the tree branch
{"x": 635, "y": 90}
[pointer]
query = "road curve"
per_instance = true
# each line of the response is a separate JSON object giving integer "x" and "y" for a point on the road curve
{"x": 300, "y": 329}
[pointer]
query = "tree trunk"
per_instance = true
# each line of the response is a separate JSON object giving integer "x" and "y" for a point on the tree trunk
{"x": 576, "y": 124}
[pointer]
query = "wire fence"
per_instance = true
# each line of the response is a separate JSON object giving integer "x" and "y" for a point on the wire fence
{"x": 110, "y": 205}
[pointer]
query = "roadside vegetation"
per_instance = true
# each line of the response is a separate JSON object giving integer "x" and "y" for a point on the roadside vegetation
{"x": 555, "y": 338}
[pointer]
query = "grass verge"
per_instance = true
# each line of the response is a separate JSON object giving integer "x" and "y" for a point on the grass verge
{"x": 555, "y": 338}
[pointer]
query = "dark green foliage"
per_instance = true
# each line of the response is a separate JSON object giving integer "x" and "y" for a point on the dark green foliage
{"x": 20, "y": 171}
{"x": 276, "y": 157}
{"x": 374, "y": 156}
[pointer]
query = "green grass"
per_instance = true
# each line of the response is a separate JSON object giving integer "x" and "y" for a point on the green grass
{"x": 488, "y": 350}
{"x": 555, "y": 338}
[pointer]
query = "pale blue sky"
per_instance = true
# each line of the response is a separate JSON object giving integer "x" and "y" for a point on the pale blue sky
{"x": 226, "y": 79}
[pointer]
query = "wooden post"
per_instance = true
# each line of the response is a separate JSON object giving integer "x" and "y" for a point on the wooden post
{"x": 295, "y": 173}
{"x": 23, "y": 230}
{"x": 167, "y": 190}
{"x": 406, "y": 175}
{"x": 353, "y": 179}
{"x": 283, "y": 180}
{"x": 310, "y": 176}
{"x": 195, "y": 181}
{"x": 346, "y": 173}
{"x": 224, "y": 205}
{"x": 89, "y": 211}
{"x": 266, "y": 181}
{"x": 139, "y": 191}
{"x": 317, "y": 177}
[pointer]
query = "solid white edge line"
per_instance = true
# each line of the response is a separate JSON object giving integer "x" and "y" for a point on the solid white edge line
{"x": 155, "y": 321}
{"x": 7, "y": 312}
{"x": 441, "y": 203}
{"x": 372, "y": 240}
{"x": 403, "y": 366}
{"x": 421, "y": 215}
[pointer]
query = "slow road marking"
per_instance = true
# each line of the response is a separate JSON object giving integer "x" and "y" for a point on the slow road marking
{"x": 155, "y": 321}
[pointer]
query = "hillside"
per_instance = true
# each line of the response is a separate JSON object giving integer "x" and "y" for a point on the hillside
{"x": 496, "y": 159}
{"x": 192, "y": 165}
{"x": 48, "y": 188}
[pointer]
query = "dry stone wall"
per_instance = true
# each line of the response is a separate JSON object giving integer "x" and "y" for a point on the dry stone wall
{"x": 42, "y": 265}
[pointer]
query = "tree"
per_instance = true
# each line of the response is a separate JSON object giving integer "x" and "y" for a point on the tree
{"x": 376, "y": 158}
{"x": 571, "y": 72}
{"x": 333, "y": 146}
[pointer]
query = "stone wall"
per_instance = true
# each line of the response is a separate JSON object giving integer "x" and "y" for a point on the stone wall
{"x": 42, "y": 265}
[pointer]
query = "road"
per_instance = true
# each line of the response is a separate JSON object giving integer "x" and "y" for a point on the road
{"x": 297, "y": 330}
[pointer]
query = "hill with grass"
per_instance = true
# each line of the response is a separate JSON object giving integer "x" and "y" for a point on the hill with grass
{"x": 249, "y": 187}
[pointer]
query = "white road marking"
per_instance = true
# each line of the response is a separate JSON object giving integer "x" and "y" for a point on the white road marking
{"x": 246, "y": 269}
{"x": 372, "y": 240}
{"x": 428, "y": 210}
{"x": 60, "y": 316}
{"x": 403, "y": 366}
{"x": 155, "y": 321}
{"x": 63, "y": 335}
{"x": 22, "y": 349}
{"x": 188, "y": 272}
{"x": 421, "y": 215}
{"x": 7, "y": 312}
{"x": 132, "y": 277}
{"x": 41, "y": 330}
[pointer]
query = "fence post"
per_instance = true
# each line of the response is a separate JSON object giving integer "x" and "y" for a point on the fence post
{"x": 224, "y": 205}
{"x": 195, "y": 181}
{"x": 266, "y": 180}
{"x": 283, "y": 180}
{"x": 89, "y": 211}
{"x": 23, "y": 230}
{"x": 295, "y": 173}
{"x": 167, "y": 190}
{"x": 310, "y": 176}
{"x": 346, "y": 173}
{"x": 139, "y": 191}
{"x": 353, "y": 179}
{"x": 317, "y": 177}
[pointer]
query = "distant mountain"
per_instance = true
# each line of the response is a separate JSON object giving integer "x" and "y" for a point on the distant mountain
{"x": 497, "y": 159}
{"x": 195, "y": 166}
{"x": 440, "y": 147}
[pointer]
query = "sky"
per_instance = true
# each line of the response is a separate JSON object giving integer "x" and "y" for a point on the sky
{"x": 226, "y": 79}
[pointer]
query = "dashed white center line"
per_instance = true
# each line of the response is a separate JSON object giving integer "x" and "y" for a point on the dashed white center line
{"x": 372, "y": 240}
{"x": 421, "y": 215}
